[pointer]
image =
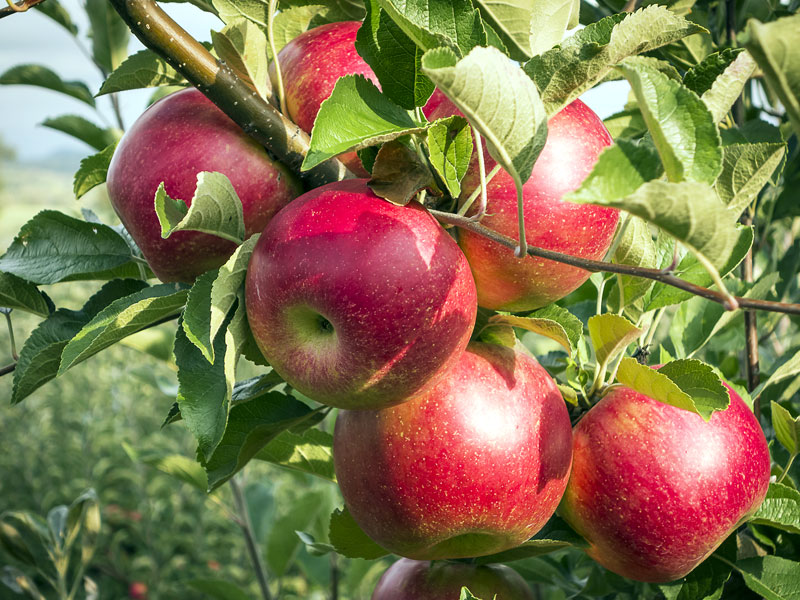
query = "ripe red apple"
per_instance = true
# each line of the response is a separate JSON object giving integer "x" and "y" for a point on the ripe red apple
{"x": 576, "y": 136}
{"x": 356, "y": 302}
{"x": 422, "y": 580}
{"x": 655, "y": 489}
{"x": 137, "y": 590}
{"x": 174, "y": 139}
{"x": 474, "y": 466}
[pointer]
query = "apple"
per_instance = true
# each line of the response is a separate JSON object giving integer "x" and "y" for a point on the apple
{"x": 423, "y": 580}
{"x": 656, "y": 489}
{"x": 172, "y": 141}
{"x": 576, "y": 137}
{"x": 357, "y": 302}
{"x": 475, "y": 465}
{"x": 137, "y": 590}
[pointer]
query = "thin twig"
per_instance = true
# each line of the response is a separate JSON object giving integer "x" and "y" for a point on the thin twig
{"x": 13, "y": 8}
{"x": 597, "y": 266}
{"x": 243, "y": 520}
{"x": 7, "y": 369}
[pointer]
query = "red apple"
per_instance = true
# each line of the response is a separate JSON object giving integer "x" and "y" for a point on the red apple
{"x": 655, "y": 489}
{"x": 576, "y": 136}
{"x": 137, "y": 590}
{"x": 475, "y": 465}
{"x": 174, "y": 139}
{"x": 356, "y": 302}
{"x": 416, "y": 580}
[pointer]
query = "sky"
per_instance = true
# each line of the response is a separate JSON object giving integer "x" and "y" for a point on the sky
{"x": 33, "y": 38}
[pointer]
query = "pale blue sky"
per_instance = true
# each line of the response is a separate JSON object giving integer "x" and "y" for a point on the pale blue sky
{"x": 33, "y": 38}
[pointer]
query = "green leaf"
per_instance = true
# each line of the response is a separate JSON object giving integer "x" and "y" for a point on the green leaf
{"x": 706, "y": 581}
{"x": 122, "y": 318}
{"x": 467, "y": 595}
{"x": 746, "y": 169}
{"x": 683, "y": 130}
{"x": 83, "y": 129}
{"x": 283, "y": 542}
{"x": 84, "y": 520}
{"x": 356, "y": 115}
{"x": 13, "y": 578}
{"x": 21, "y": 295}
{"x": 688, "y": 384}
{"x": 435, "y": 23}
{"x": 781, "y": 507}
{"x": 774, "y": 49}
{"x": 450, "y": 146}
{"x": 610, "y": 335}
{"x": 54, "y": 10}
{"x": 636, "y": 248}
{"x": 348, "y": 538}
{"x": 53, "y": 247}
{"x": 314, "y": 547}
{"x": 499, "y": 101}
{"x": 787, "y": 370}
{"x": 242, "y": 45}
{"x": 585, "y": 58}
{"x": 109, "y": 34}
{"x": 702, "y": 76}
{"x": 178, "y": 466}
{"x": 251, "y": 426}
{"x": 25, "y": 537}
{"x": 398, "y": 173}
{"x": 787, "y": 428}
{"x": 548, "y": 23}
{"x": 291, "y": 21}
{"x": 393, "y": 57}
{"x": 215, "y": 209}
{"x": 197, "y": 316}
{"x": 512, "y": 20}
{"x": 728, "y": 86}
{"x": 40, "y": 76}
{"x": 552, "y": 321}
{"x": 771, "y": 577}
{"x": 40, "y": 357}
{"x": 219, "y": 589}
{"x": 93, "y": 171}
{"x": 144, "y": 69}
{"x": 308, "y": 452}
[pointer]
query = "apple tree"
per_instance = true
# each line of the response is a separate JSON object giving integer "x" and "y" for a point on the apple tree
{"x": 561, "y": 353}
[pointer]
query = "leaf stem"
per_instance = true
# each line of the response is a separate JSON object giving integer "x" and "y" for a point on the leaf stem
{"x": 482, "y": 171}
{"x": 243, "y": 519}
{"x": 477, "y": 191}
{"x": 730, "y": 302}
{"x": 786, "y": 468}
{"x": 12, "y": 342}
{"x": 278, "y": 75}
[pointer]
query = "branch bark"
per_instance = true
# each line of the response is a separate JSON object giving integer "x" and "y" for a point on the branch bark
{"x": 14, "y": 8}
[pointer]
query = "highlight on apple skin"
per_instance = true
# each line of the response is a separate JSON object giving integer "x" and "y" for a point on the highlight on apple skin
{"x": 655, "y": 489}
{"x": 424, "y": 580}
{"x": 475, "y": 465}
{"x": 177, "y": 137}
{"x": 356, "y": 302}
{"x": 576, "y": 137}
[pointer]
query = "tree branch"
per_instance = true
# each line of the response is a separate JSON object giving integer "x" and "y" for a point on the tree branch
{"x": 13, "y": 8}
{"x": 157, "y": 31}
{"x": 596, "y": 266}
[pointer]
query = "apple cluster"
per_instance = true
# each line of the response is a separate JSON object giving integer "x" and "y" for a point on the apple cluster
{"x": 443, "y": 448}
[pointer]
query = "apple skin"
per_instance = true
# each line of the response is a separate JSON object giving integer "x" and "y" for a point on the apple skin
{"x": 423, "y": 580}
{"x": 576, "y": 137}
{"x": 172, "y": 141}
{"x": 475, "y": 465}
{"x": 656, "y": 489}
{"x": 356, "y": 302}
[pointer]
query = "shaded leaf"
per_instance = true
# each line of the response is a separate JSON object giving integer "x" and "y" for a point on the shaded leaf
{"x": 40, "y": 76}
{"x": 398, "y": 173}
{"x": 349, "y": 539}
{"x": 92, "y": 171}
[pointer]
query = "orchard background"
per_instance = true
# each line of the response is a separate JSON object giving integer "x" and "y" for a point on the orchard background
{"x": 106, "y": 494}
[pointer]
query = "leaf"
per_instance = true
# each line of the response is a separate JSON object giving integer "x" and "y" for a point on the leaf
{"x": 54, "y": 10}
{"x": 13, "y": 578}
{"x": 788, "y": 369}
{"x": 251, "y": 426}
{"x": 219, "y": 589}
{"x": 314, "y": 547}
{"x": 122, "y": 318}
{"x": 701, "y": 76}
{"x": 197, "y": 316}
{"x": 291, "y": 21}
{"x": 552, "y": 321}
{"x": 144, "y": 69}
{"x": 683, "y": 130}
{"x": 467, "y": 595}
{"x": 706, "y": 581}
{"x": 40, "y": 76}
{"x": 774, "y": 49}
{"x": 92, "y": 171}
{"x": 40, "y": 357}
{"x": 636, "y": 248}
{"x": 512, "y": 20}
{"x": 610, "y": 335}
{"x": 25, "y": 537}
{"x": 215, "y": 209}
{"x": 688, "y": 384}
{"x": 282, "y": 540}
{"x": 82, "y": 129}
{"x": 746, "y": 169}
{"x": 53, "y": 247}
{"x": 178, "y": 466}
{"x": 308, "y": 452}
{"x": 549, "y": 21}
{"x": 398, "y": 173}
{"x": 109, "y": 34}
{"x": 781, "y": 507}
{"x": 585, "y": 58}
{"x": 21, "y": 295}
{"x": 204, "y": 391}
{"x": 435, "y": 23}
{"x": 349, "y": 540}
{"x": 728, "y": 86}
{"x": 499, "y": 101}
{"x": 393, "y": 57}
{"x": 787, "y": 428}
{"x": 83, "y": 519}
{"x": 772, "y": 577}
{"x": 242, "y": 45}
{"x": 354, "y": 116}
{"x": 450, "y": 147}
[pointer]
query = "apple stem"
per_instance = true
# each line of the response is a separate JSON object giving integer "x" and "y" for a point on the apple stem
{"x": 597, "y": 266}
{"x": 278, "y": 75}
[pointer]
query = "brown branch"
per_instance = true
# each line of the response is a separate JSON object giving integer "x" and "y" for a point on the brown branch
{"x": 13, "y": 9}
{"x": 596, "y": 266}
{"x": 157, "y": 31}
{"x": 8, "y": 369}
